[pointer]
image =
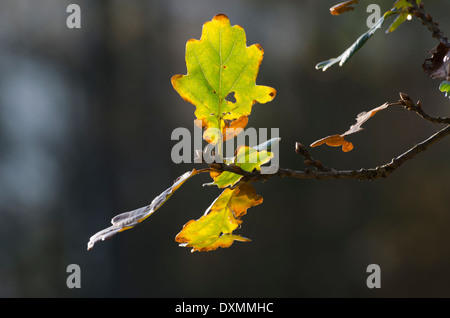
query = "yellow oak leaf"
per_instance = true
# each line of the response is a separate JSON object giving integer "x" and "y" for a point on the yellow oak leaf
{"x": 215, "y": 228}
{"x": 220, "y": 64}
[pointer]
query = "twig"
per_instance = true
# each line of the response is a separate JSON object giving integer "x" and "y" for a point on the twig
{"x": 427, "y": 20}
{"x": 321, "y": 172}
{"x": 361, "y": 174}
{"x": 309, "y": 160}
{"x": 408, "y": 104}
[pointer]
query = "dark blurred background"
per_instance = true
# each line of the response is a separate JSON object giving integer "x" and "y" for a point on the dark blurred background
{"x": 86, "y": 117}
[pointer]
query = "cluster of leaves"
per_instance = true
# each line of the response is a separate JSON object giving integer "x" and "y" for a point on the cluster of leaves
{"x": 440, "y": 66}
{"x": 219, "y": 64}
{"x": 400, "y": 9}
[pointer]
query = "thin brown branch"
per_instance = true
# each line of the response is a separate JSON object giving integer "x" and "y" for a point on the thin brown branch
{"x": 427, "y": 20}
{"x": 361, "y": 174}
{"x": 309, "y": 160}
{"x": 408, "y": 104}
{"x": 321, "y": 172}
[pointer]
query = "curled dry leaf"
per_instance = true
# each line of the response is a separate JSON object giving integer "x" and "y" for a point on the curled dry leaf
{"x": 215, "y": 228}
{"x": 334, "y": 141}
{"x": 339, "y": 140}
{"x": 357, "y": 45}
{"x": 342, "y": 7}
{"x": 438, "y": 66}
{"x": 127, "y": 220}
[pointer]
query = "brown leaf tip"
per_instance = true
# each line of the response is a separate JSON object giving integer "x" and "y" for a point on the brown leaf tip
{"x": 221, "y": 17}
{"x": 259, "y": 47}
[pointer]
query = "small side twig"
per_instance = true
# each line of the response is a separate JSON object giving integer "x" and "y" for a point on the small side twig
{"x": 309, "y": 160}
{"x": 408, "y": 104}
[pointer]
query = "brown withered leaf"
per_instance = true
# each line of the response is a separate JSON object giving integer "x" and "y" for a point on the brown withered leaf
{"x": 342, "y": 7}
{"x": 127, "y": 220}
{"x": 334, "y": 141}
{"x": 339, "y": 140}
{"x": 438, "y": 66}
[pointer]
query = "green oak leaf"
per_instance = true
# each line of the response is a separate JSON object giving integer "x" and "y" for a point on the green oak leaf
{"x": 215, "y": 228}
{"x": 248, "y": 159}
{"x": 219, "y": 64}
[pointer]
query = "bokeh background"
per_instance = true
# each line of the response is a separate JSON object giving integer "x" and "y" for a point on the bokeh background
{"x": 86, "y": 117}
